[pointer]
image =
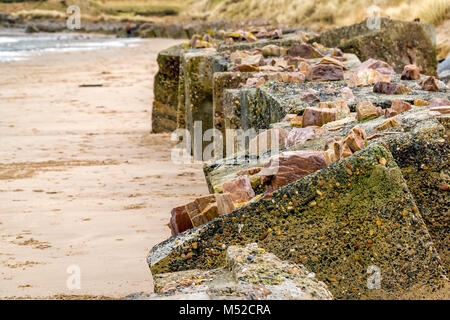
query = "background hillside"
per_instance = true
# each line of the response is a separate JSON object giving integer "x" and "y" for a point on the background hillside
{"x": 317, "y": 14}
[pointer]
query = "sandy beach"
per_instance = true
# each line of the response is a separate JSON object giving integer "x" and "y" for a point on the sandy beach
{"x": 82, "y": 182}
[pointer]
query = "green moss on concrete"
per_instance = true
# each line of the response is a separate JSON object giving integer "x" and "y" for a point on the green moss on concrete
{"x": 423, "y": 157}
{"x": 396, "y": 42}
{"x": 165, "y": 89}
{"x": 362, "y": 216}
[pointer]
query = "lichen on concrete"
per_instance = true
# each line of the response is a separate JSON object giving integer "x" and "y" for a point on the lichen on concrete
{"x": 364, "y": 216}
{"x": 249, "y": 273}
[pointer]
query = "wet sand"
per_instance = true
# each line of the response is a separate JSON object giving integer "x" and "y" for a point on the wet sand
{"x": 82, "y": 182}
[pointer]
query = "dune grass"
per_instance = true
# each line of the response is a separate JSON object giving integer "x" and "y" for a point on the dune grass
{"x": 99, "y": 7}
{"x": 318, "y": 14}
{"x": 435, "y": 11}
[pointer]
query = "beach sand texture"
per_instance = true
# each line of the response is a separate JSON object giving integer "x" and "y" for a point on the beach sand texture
{"x": 82, "y": 182}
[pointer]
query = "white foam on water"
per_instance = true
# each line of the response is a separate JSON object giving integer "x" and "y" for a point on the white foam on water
{"x": 17, "y": 45}
{"x": 8, "y": 39}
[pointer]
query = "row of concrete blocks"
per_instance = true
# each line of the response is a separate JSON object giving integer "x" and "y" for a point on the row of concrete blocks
{"x": 190, "y": 86}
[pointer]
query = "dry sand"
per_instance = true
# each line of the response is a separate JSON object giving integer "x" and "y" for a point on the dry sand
{"x": 82, "y": 182}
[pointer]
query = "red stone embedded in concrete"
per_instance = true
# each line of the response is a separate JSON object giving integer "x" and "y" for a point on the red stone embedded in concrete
{"x": 341, "y": 106}
{"x": 393, "y": 122}
{"x": 378, "y": 65}
{"x": 380, "y": 111}
{"x": 410, "y": 72}
{"x": 400, "y": 106}
{"x": 301, "y": 135}
{"x": 429, "y": 84}
{"x": 319, "y": 116}
{"x": 390, "y": 88}
{"x": 179, "y": 220}
{"x": 310, "y": 97}
{"x": 438, "y": 102}
{"x": 341, "y": 149}
{"x": 199, "y": 211}
{"x": 224, "y": 203}
{"x": 356, "y": 139}
{"x": 292, "y": 77}
{"x": 365, "y": 110}
{"x": 304, "y": 50}
{"x": 421, "y": 102}
{"x": 389, "y": 112}
{"x": 325, "y": 72}
{"x": 338, "y": 148}
{"x": 329, "y": 60}
{"x": 367, "y": 77}
{"x": 268, "y": 140}
{"x": 441, "y": 109}
{"x": 239, "y": 188}
{"x": 347, "y": 94}
{"x": 291, "y": 166}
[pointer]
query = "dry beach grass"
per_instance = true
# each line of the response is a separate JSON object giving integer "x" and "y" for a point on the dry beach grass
{"x": 82, "y": 182}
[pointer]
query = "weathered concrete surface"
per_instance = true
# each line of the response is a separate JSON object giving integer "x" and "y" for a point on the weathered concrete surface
{"x": 220, "y": 171}
{"x": 199, "y": 67}
{"x": 287, "y": 97}
{"x": 397, "y": 42}
{"x": 286, "y": 41}
{"x": 420, "y": 147}
{"x": 364, "y": 217}
{"x": 165, "y": 89}
{"x": 260, "y": 107}
{"x": 181, "y": 104}
{"x": 250, "y": 273}
{"x": 423, "y": 157}
{"x": 222, "y": 81}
